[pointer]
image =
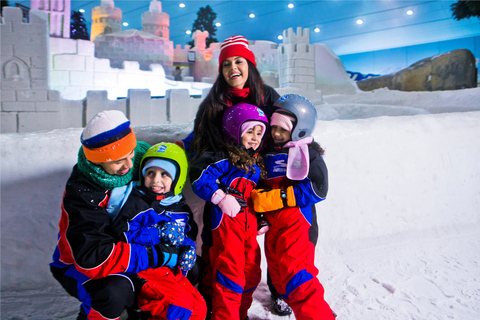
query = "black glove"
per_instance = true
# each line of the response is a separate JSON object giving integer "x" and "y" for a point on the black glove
{"x": 166, "y": 255}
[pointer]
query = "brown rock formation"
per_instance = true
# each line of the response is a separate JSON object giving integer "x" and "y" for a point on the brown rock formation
{"x": 448, "y": 71}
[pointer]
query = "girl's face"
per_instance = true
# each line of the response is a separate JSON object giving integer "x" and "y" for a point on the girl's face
{"x": 118, "y": 167}
{"x": 253, "y": 137}
{"x": 280, "y": 135}
{"x": 235, "y": 71}
{"x": 157, "y": 180}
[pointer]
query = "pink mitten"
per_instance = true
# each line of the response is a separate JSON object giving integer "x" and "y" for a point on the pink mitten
{"x": 298, "y": 163}
{"x": 227, "y": 203}
{"x": 229, "y": 206}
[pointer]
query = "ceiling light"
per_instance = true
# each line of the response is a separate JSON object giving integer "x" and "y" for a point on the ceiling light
{"x": 251, "y": 15}
{"x": 82, "y": 10}
{"x": 290, "y": 5}
{"x": 125, "y": 24}
{"x": 182, "y": 5}
{"x": 410, "y": 12}
{"x": 316, "y": 29}
{"x": 359, "y": 21}
{"x": 188, "y": 32}
{"x": 218, "y": 24}
{"x": 280, "y": 37}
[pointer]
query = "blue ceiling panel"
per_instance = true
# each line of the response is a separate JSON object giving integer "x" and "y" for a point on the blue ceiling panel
{"x": 386, "y": 23}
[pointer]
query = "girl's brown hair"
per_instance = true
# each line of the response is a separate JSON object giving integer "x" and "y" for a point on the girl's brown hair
{"x": 240, "y": 158}
{"x": 314, "y": 145}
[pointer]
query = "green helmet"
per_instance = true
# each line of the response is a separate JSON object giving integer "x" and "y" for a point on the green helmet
{"x": 174, "y": 154}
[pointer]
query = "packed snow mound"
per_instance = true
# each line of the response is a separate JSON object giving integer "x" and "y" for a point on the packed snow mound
{"x": 348, "y": 111}
{"x": 432, "y": 102}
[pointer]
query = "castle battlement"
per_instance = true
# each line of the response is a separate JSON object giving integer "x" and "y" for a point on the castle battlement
{"x": 107, "y": 12}
{"x": 24, "y": 47}
{"x": 39, "y": 72}
{"x": 302, "y": 36}
{"x": 106, "y": 19}
{"x": 58, "y": 15}
{"x": 14, "y": 14}
{"x": 155, "y": 21}
{"x": 297, "y": 60}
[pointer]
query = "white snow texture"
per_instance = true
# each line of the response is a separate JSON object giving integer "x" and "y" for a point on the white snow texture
{"x": 399, "y": 234}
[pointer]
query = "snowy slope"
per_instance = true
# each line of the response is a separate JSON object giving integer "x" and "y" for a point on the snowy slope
{"x": 399, "y": 231}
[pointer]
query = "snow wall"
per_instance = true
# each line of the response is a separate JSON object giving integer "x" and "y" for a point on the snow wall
{"x": 387, "y": 175}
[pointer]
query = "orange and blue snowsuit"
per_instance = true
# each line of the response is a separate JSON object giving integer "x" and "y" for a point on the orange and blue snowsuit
{"x": 234, "y": 253}
{"x": 290, "y": 242}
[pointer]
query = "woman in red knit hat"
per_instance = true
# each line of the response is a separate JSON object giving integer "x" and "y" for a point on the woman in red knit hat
{"x": 238, "y": 81}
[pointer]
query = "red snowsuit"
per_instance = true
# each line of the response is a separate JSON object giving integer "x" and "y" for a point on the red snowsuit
{"x": 234, "y": 253}
{"x": 169, "y": 295}
{"x": 290, "y": 242}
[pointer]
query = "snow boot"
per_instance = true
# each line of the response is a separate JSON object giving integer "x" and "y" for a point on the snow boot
{"x": 280, "y": 307}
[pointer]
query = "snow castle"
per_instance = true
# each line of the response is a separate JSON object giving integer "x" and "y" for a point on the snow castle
{"x": 51, "y": 82}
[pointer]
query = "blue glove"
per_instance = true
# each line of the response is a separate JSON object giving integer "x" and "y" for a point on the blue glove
{"x": 187, "y": 258}
{"x": 172, "y": 233}
{"x": 165, "y": 255}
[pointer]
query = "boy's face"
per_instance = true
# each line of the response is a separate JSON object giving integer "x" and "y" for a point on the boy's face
{"x": 280, "y": 135}
{"x": 157, "y": 180}
{"x": 252, "y": 138}
{"x": 118, "y": 167}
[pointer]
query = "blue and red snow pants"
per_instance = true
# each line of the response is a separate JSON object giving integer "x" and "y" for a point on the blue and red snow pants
{"x": 235, "y": 266}
{"x": 290, "y": 257}
{"x": 165, "y": 295}
{"x": 102, "y": 299}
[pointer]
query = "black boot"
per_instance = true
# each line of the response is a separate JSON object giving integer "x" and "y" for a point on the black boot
{"x": 280, "y": 307}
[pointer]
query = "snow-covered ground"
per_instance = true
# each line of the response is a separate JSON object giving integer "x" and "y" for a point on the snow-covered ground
{"x": 399, "y": 230}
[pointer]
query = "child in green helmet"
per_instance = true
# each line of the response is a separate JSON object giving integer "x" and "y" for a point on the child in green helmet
{"x": 154, "y": 212}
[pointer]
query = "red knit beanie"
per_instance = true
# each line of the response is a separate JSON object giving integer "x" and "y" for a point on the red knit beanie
{"x": 235, "y": 46}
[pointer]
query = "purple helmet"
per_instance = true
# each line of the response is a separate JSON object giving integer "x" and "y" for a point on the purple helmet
{"x": 236, "y": 115}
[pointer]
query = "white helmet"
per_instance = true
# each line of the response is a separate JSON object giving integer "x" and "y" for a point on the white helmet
{"x": 304, "y": 112}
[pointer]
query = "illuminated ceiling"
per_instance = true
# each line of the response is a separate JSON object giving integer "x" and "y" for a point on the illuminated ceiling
{"x": 386, "y": 23}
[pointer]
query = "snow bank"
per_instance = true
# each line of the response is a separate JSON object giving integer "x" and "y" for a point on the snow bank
{"x": 388, "y": 175}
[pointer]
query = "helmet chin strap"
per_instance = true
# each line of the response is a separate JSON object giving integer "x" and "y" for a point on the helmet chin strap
{"x": 161, "y": 196}
{"x": 250, "y": 151}
{"x": 158, "y": 196}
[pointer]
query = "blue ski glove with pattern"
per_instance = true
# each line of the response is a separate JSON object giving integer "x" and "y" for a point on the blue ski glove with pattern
{"x": 172, "y": 233}
{"x": 187, "y": 258}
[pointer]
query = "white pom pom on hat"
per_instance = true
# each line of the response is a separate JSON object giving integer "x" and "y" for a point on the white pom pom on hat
{"x": 108, "y": 137}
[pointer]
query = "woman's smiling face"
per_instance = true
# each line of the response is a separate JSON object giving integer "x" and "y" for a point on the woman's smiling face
{"x": 235, "y": 71}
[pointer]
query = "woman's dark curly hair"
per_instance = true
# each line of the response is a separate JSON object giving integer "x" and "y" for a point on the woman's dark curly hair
{"x": 208, "y": 121}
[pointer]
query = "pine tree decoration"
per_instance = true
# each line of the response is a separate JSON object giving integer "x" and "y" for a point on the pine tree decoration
{"x": 78, "y": 28}
{"x": 204, "y": 22}
{"x": 464, "y": 9}
{"x": 4, "y": 3}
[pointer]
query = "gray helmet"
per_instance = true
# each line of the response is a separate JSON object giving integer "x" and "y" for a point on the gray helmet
{"x": 303, "y": 110}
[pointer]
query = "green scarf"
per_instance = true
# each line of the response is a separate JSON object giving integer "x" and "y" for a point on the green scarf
{"x": 107, "y": 181}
